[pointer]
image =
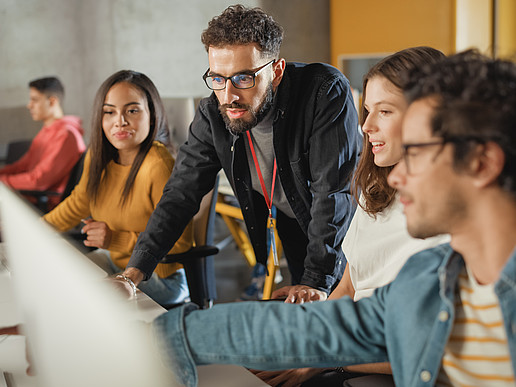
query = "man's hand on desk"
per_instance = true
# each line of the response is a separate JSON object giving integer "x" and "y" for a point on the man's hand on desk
{"x": 299, "y": 294}
{"x": 127, "y": 282}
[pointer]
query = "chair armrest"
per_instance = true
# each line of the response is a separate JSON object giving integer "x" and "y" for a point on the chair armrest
{"x": 39, "y": 193}
{"x": 194, "y": 253}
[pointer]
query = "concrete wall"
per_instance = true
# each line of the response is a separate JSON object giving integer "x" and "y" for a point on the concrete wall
{"x": 84, "y": 41}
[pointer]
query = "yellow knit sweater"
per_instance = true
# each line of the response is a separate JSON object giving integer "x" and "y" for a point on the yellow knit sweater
{"x": 128, "y": 221}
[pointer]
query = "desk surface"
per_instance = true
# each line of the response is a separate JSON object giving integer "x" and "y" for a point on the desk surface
{"x": 217, "y": 375}
{"x": 12, "y": 349}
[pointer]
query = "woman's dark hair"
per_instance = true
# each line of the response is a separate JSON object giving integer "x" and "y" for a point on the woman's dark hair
{"x": 370, "y": 179}
{"x": 102, "y": 151}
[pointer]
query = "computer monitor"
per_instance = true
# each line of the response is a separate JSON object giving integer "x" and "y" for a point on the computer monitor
{"x": 81, "y": 333}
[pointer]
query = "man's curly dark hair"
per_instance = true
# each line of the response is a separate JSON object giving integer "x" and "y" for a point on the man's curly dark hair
{"x": 239, "y": 25}
{"x": 476, "y": 103}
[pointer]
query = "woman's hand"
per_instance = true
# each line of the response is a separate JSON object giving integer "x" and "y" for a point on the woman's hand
{"x": 125, "y": 283}
{"x": 98, "y": 234}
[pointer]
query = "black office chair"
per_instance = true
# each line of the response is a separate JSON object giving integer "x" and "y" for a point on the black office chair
{"x": 42, "y": 197}
{"x": 198, "y": 261}
{"x": 16, "y": 149}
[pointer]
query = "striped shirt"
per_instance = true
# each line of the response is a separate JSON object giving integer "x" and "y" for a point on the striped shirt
{"x": 476, "y": 353}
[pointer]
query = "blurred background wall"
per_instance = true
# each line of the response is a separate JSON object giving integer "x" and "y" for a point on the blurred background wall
{"x": 84, "y": 41}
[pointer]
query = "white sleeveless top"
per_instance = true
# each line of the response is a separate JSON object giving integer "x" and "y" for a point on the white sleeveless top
{"x": 377, "y": 248}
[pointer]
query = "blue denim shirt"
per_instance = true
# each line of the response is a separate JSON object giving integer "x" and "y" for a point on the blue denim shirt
{"x": 407, "y": 322}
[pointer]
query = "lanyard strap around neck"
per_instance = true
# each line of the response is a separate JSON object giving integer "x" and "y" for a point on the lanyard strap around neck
{"x": 262, "y": 183}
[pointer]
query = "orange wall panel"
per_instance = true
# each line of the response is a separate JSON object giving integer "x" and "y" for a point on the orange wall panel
{"x": 383, "y": 26}
{"x": 506, "y": 29}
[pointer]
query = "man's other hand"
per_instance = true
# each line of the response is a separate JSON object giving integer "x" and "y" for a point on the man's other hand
{"x": 299, "y": 294}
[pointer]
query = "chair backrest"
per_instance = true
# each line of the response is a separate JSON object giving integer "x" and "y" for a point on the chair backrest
{"x": 200, "y": 272}
{"x": 46, "y": 200}
{"x": 75, "y": 176}
{"x": 204, "y": 220}
{"x": 16, "y": 149}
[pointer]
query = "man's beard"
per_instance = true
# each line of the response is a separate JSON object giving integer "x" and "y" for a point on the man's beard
{"x": 240, "y": 125}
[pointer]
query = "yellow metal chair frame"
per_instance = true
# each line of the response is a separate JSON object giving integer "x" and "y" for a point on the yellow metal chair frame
{"x": 231, "y": 216}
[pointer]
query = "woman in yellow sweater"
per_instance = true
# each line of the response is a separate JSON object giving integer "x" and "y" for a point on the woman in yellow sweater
{"x": 125, "y": 171}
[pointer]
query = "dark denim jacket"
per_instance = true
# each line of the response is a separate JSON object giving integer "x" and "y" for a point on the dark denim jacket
{"x": 317, "y": 145}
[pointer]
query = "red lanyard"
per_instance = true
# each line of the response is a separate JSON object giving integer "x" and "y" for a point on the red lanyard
{"x": 262, "y": 183}
{"x": 267, "y": 200}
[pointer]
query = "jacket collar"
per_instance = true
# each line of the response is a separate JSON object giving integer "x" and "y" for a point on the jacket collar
{"x": 449, "y": 270}
{"x": 283, "y": 94}
{"x": 507, "y": 281}
{"x": 453, "y": 263}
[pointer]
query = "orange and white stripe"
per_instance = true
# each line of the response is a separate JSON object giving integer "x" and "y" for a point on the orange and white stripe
{"x": 477, "y": 353}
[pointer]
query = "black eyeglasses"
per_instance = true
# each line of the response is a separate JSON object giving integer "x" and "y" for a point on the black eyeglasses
{"x": 240, "y": 81}
{"x": 416, "y": 162}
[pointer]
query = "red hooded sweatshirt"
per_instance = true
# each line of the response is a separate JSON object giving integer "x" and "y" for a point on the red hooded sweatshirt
{"x": 50, "y": 158}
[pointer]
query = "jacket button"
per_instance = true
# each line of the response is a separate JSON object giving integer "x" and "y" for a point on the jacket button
{"x": 425, "y": 376}
{"x": 443, "y": 316}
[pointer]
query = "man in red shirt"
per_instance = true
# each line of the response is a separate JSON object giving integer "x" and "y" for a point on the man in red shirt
{"x": 55, "y": 149}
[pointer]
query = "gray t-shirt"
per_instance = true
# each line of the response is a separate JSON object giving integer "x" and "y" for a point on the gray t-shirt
{"x": 262, "y": 135}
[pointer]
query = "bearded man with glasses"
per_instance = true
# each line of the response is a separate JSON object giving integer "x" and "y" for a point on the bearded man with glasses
{"x": 285, "y": 135}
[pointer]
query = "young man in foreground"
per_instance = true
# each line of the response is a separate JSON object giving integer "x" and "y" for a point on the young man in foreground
{"x": 449, "y": 317}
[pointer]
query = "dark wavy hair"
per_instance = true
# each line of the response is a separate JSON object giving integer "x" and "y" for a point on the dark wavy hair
{"x": 370, "y": 179}
{"x": 239, "y": 25}
{"x": 102, "y": 151}
{"x": 476, "y": 104}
